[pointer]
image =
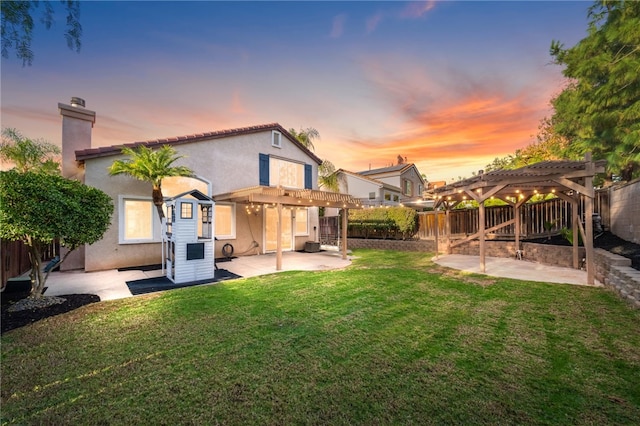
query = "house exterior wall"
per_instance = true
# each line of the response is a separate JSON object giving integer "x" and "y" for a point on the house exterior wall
{"x": 359, "y": 188}
{"x": 413, "y": 176}
{"x": 229, "y": 164}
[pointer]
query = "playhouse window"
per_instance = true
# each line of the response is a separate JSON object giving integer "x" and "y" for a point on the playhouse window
{"x": 139, "y": 221}
{"x": 302, "y": 222}
{"x": 186, "y": 211}
{"x": 171, "y": 217}
{"x": 225, "y": 221}
{"x": 205, "y": 221}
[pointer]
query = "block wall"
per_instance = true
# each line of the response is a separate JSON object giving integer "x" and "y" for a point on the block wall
{"x": 625, "y": 211}
{"x": 615, "y": 272}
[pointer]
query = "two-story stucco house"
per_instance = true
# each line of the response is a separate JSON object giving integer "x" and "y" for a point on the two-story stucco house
{"x": 263, "y": 181}
{"x": 401, "y": 184}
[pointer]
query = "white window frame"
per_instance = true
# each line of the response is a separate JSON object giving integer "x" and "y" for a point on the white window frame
{"x": 156, "y": 225}
{"x": 276, "y": 141}
{"x": 231, "y": 236}
{"x": 295, "y": 223}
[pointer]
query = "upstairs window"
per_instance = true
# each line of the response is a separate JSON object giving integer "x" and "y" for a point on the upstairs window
{"x": 276, "y": 139}
{"x": 286, "y": 173}
{"x": 372, "y": 195}
{"x": 407, "y": 187}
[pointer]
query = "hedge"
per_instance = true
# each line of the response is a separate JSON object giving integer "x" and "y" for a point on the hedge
{"x": 383, "y": 222}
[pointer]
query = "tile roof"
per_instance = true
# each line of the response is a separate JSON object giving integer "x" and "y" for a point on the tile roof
{"x": 376, "y": 181}
{"x": 106, "y": 151}
{"x": 397, "y": 167}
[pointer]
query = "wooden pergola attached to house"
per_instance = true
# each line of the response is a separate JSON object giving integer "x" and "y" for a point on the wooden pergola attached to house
{"x": 280, "y": 197}
{"x": 569, "y": 180}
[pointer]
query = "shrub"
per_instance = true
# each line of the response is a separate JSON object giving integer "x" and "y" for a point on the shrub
{"x": 383, "y": 222}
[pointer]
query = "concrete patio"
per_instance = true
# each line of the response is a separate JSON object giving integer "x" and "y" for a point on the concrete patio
{"x": 111, "y": 284}
{"x": 517, "y": 269}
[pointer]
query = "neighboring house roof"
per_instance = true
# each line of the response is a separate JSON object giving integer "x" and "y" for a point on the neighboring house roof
{"x": 398, "y": 168}
{"x": 106, "y": 151}
{"x": 377, "y": 182}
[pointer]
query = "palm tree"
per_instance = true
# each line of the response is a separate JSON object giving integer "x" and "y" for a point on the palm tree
{"x": 327, "y": 177}
{"x": 29, "y": 155}
{"x": 151, "y": 166}
{"x": 306, "y": 136}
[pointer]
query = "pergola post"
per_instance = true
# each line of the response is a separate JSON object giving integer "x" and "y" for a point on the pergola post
{"x": 588, "y": 220}
{"x": 447, "y": 226}
{"x": 345, "y": 216}
{"x": 575, "y": 202}
{"x": 436, "y": 231}
{"x": 279, "y": 239}
{"x": 481, "y": 227}
{"x": 516, "y": 217}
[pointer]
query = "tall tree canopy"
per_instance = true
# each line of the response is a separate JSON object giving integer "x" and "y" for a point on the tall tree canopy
{"x": 548, "y": 146}
{"x": 151, "y": 166}
{"x": 18, "y": 24}
{"x": 28, "y": 154}
{"x": 599, "y": 110}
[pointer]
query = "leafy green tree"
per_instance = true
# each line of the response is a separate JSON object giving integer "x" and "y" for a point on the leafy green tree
{"x": 38, "y": 208}
{"x": 151, "y": 166}
{"x": 327, "y": 176}
{"x": 18, "y": 24}
{"x": 28, "y": 154}
{"x": 599, "y": 110}
{"x": 548, "y": 146}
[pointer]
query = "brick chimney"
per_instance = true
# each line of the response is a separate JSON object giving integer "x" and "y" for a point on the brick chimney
{"x": 77, "y": 123}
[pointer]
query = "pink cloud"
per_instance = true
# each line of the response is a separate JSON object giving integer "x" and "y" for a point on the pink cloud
{"x": 337, "y": 27}
{"x": 417, "y": 9}
{"x": 373, "y": 21}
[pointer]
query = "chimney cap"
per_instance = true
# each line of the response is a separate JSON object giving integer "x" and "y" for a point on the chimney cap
{"x": 77, "y": 102}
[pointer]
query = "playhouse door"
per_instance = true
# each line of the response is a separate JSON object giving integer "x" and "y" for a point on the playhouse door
{"x": 271, "y": 229}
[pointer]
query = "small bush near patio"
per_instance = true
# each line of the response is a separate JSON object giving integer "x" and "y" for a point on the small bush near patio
{"x": 393, "y": 339}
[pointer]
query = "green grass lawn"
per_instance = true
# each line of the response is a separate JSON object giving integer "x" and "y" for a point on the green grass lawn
{"x": 393, "y": 339}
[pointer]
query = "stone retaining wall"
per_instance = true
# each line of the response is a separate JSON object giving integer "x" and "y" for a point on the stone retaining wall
{"x": 541, "y": 253}
{"x": 615, "y": 272}
{"x": 398, "y": 245}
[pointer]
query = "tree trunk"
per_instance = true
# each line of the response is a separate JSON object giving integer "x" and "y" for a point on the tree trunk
{"x": 158, "y": 201}
{"x": 37, "y": 279}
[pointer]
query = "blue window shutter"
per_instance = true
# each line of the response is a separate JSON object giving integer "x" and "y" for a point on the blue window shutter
{"x": 264, "y": 170}
{"x": 308, "y": 184}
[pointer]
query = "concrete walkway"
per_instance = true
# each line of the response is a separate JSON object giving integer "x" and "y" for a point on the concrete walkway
{"x": 112, "y": 284}
{"x": 512, "y": 268}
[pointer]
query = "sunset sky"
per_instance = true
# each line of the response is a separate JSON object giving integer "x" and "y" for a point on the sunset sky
{"x": 449, "y": 85}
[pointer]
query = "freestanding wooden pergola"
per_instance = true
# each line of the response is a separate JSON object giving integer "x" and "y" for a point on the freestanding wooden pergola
{"x": 569, "y": 180}
{"x": 280, "y": 197}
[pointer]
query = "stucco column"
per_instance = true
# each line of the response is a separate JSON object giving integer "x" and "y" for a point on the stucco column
{"x": 279, "y": 240}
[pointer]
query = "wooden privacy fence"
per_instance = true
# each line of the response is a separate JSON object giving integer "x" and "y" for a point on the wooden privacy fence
{"x": 533, "y": 217}
{"x": 14, "y": 257}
